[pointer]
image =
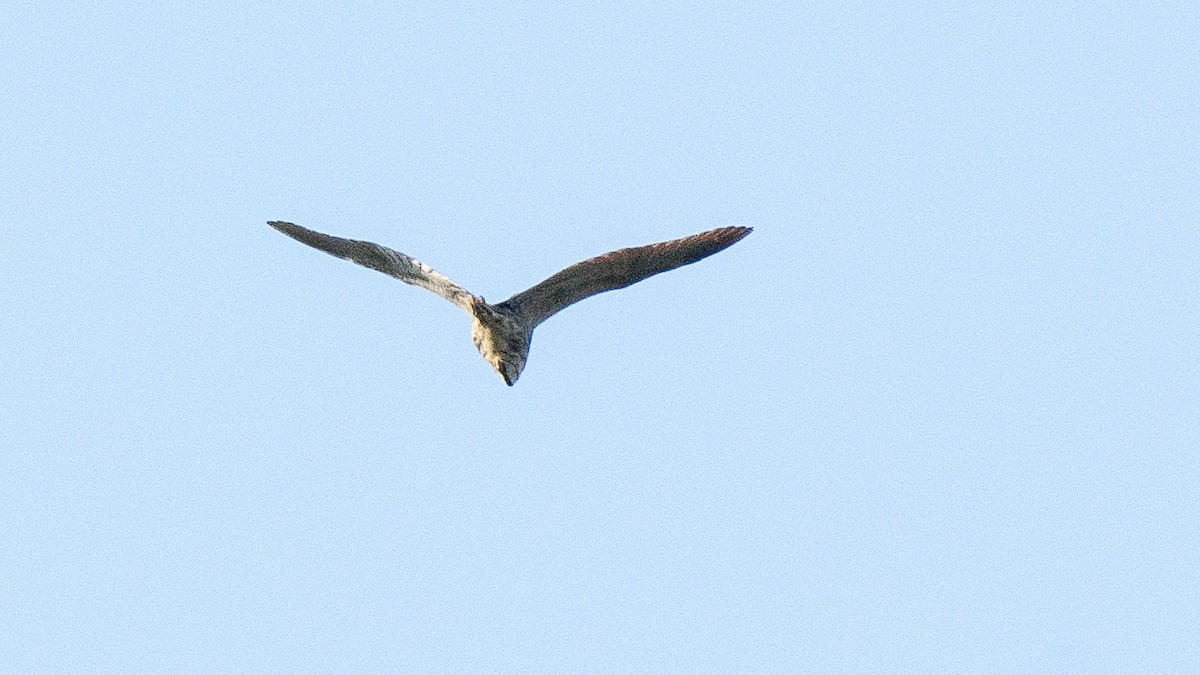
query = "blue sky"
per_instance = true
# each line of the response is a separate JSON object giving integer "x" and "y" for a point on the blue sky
{"x": 938, "y": 412}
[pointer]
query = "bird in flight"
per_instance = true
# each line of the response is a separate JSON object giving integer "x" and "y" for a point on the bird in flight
{"x": 502, "y": 332}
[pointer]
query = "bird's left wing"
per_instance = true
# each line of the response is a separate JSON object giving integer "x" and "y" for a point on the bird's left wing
{"x": 381, "y": 258}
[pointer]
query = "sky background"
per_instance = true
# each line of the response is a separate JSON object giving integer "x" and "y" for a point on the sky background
{"x": 938, "y": 412}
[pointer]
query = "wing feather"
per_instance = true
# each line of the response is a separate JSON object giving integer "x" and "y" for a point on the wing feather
{"x": 381, "y": 258}
{"x": 619, "y": 269}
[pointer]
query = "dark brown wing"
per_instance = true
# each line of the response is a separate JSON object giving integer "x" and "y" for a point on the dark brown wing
{"x": 381, "y": 258}
{"x": 618, "y": 270}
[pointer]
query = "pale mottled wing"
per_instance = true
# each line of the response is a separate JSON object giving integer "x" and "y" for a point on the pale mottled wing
{"x": 393, "y": 263}
{"x": 618, "y": 270}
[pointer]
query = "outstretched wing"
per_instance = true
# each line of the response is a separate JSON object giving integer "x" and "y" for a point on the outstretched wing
{"x": 393, "y": 263}
{"x": 618, "y": 270}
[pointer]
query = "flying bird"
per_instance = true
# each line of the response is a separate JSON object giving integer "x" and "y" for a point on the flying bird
{"x": 502, "y": 332}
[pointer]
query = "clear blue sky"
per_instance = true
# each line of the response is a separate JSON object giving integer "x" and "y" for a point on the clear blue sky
{"x": 939, "y": 412}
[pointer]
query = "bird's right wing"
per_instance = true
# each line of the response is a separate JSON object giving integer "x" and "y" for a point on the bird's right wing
{"x": 381, "y": 258}
{"x": 619, "y": 269}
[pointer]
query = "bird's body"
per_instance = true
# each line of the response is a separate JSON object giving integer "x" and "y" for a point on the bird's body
{"x": 502, "y": 335}
{"x": 502, "y": 332}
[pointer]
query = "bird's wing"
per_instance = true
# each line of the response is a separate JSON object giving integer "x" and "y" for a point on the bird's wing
{"x": 393, "y": 263}
{"x": 618, "y": 270}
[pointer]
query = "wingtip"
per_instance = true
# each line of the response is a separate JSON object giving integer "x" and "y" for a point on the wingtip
{"x": 738, "y": 232}
{"x": 290, "y": 229}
